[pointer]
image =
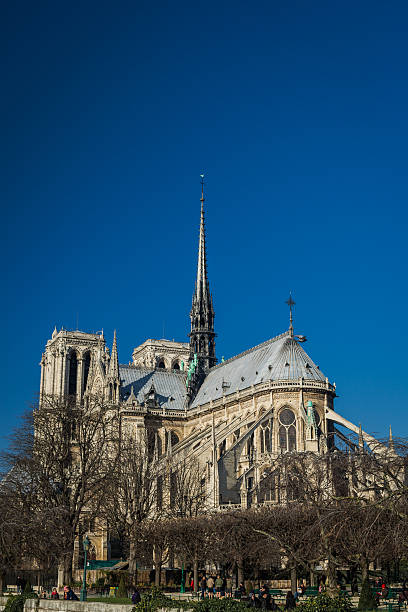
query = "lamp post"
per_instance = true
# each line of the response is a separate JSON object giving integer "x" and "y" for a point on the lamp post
{"x": 85, "y": 544}
{"x": 183, "y": 580}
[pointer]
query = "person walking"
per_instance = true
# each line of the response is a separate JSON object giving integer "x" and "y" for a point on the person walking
{"x": 228, "y": 586}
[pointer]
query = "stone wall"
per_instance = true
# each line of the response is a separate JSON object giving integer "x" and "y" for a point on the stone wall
{"x": 61, "y": 605}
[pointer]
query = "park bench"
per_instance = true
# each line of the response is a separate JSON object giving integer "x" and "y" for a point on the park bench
{"x": 312, "y": 591}
{"x": 392, "y": 607}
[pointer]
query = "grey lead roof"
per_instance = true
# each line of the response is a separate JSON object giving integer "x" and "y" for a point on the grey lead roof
{"x": 280, "y": 358}
{"x": 170, "y": 387}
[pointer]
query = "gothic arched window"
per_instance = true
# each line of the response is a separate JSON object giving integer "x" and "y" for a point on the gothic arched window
{"x": 161, "y": 365}
{"x": 176, "y": 366}
{"x": 87, "y": 365}
{"x": 174, "y": 439}
{"x": 266, "y": 436}
{"x": 73, "y": 374}
{"x": 287, "y": 430}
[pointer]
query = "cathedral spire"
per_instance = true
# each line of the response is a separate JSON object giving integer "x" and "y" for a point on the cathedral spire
{"x": 202, "y": 336}
{"x": 202, "y": 290}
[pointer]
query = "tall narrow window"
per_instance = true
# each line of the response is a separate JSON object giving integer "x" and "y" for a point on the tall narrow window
{"x": 266, "y": 438}
{"x": 73, "y": 374}
{"x": 87, "y": 365}
{"x": 287, "y": 430}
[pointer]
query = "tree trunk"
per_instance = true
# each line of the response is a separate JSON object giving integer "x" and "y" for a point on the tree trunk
{"x": 240, "y": 566}
{"x": 312, "y": 578}
{"x": 195, "y": 574}
{"x": 132, "y": 562}
{"x": 157, "y": 574}
{"x": 68, "y": 567}
{"x": 331, "y": 578}
{"x": 60, "y": 580}
{"x": 293, "y": 580}
{"x": 1, "y": 582}
{"x": 364, "y": 568}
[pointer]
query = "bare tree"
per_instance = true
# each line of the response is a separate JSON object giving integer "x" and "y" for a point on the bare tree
{"x": 134, "y": 493}
{"x": 156, "y": 537}
{"x": 187, "y": 495}
{"x": 192, "y": 539}
{"x": 58, "y": 463}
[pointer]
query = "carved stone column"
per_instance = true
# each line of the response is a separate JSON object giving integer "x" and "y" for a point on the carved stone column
{"x": 80, "y": 379}
{"x": 63, "y": 372}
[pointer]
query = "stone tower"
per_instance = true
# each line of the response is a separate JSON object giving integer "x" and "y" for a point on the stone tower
{"x": 68, "y": 361}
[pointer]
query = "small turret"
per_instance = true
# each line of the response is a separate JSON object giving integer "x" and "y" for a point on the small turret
{"x": 112, "y": 376}
{"x": 391, "y": 447}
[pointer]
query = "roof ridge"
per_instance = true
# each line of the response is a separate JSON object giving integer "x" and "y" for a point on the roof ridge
{"x": 128, "y": 366}
{"x": 254, "y": 348}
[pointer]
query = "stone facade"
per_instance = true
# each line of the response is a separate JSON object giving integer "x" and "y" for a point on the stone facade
{"x": 165, "y": 354}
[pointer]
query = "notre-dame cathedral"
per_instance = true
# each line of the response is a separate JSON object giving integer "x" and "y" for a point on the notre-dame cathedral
{"x": 234, "y": 416}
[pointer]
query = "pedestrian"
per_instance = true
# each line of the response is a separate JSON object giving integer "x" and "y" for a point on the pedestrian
{"x": 228, "y": 586}
{"x": 210, "y": 587}
{"x": 71, "y": 595}
{"x": 20, "y": 584}
{"x": 265, "y": 599}
{"x": 219, "y": 583}
{"x": 254, "y": 601}
{"x": 136, "y": 596}
{"x": 203, "y": 586}
{"x": 290, "y": 601}
{"x": 241, "y": 589}
{"x": 54, "y": 593}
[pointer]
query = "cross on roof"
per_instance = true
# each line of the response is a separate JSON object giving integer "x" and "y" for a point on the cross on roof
{"x": 290, "y": 302}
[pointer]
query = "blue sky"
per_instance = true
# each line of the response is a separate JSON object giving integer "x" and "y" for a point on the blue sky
{"x": 296, "y": 111}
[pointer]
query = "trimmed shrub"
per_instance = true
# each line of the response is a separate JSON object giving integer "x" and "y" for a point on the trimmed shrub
{"x": 220, "y": 605}
{"x": 122, "y": 589}
{"x": 325, "y": 603}
{"x": 15, "y": 603}
{"x": 27, "y": 588}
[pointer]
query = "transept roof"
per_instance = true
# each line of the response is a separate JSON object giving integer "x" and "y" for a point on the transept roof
{"x": 281, "y": 358}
